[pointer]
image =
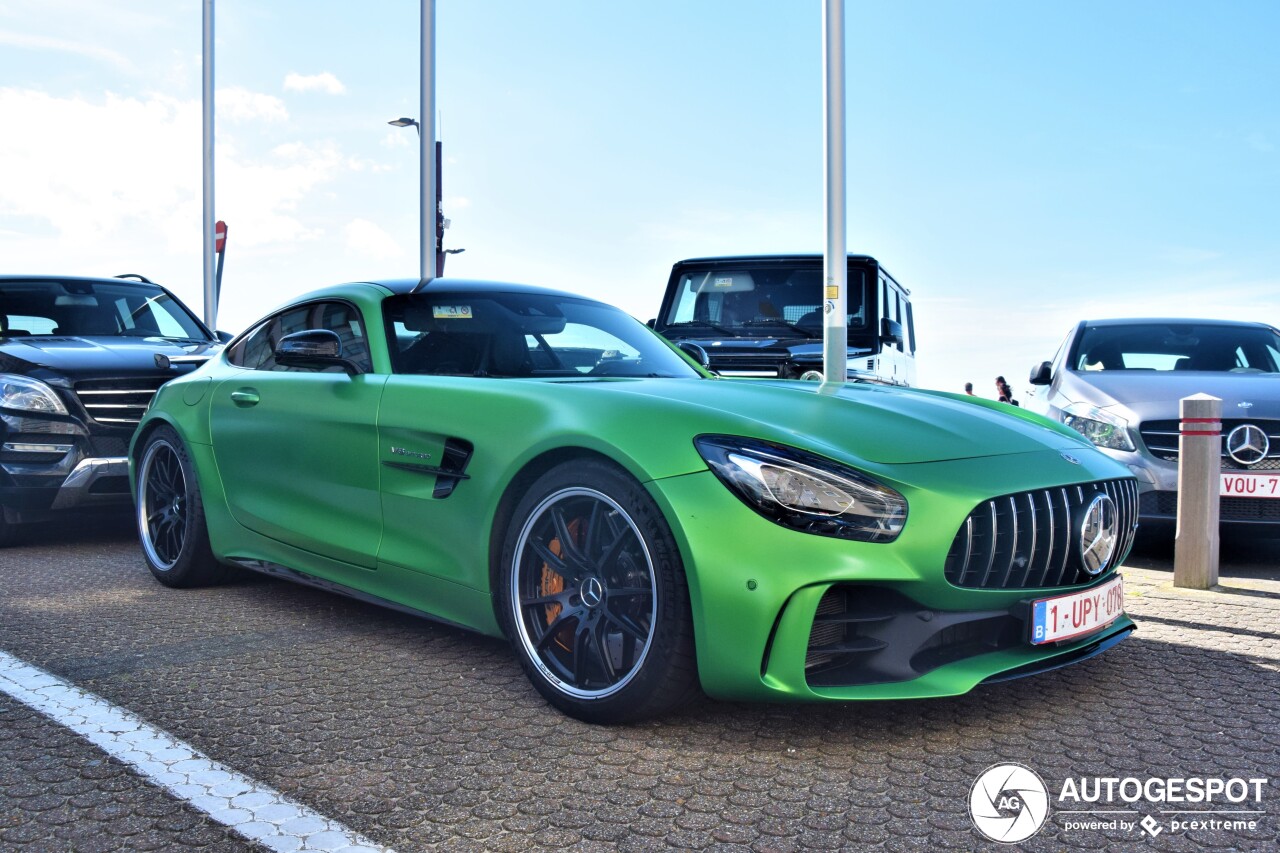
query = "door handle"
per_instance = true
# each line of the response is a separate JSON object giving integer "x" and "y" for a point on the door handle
{"x": 245, "y": 397}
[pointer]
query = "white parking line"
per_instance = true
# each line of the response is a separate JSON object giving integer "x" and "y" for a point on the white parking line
{"x": 259, "y": 813}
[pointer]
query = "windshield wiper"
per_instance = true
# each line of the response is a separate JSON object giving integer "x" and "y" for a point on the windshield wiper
{"x": 703, "y": 324}
{"x": 786, "y": 324}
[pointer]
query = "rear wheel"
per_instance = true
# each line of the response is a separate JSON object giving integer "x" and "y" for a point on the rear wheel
{"x": 594, "y": 598}
{"x": 171, "y": 524}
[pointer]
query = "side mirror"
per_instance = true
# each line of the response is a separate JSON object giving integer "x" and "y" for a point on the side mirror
{"x": 652, "y": 323}
{"x": 891, "y": 331}
{"x": 225, "y": 337}
{"x": 314, "y": 349}
{"x": 1041, "y": 374}
{"x": 697, "y": 353}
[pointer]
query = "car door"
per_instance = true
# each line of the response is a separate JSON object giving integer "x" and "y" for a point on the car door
{"x": 297, "y": 447}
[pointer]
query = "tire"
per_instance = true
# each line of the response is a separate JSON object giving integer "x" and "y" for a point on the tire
{"x": 9, "y": 530}
{"x": 592, "y": 595}
{"x": 170, "y": 514}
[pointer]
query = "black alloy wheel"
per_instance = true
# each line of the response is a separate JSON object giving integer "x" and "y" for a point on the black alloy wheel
{"x": 595, "y": 600}
{"x": 170, "y": 514}
{"x": 162, "y": 505}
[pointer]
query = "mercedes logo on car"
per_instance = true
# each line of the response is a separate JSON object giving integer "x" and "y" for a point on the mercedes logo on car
{"x": 1248, "y": 444}
{"x": 1098, "y": 533}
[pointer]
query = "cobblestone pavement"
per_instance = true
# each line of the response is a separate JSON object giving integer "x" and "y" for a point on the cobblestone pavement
{"x": 421, "y": 737}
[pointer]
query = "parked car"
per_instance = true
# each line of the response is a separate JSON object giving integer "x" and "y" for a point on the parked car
{"x": 529, "y": 463}
{"x": 1119, "y": 383}
{"x": 761, "y": 315}
{"x": 80, "y": 359}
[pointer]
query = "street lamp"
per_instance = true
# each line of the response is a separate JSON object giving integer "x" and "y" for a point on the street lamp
{"x": 435, "y": 266}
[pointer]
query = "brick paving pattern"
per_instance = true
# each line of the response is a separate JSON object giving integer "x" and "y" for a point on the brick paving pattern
{"x": 422, "y": 737}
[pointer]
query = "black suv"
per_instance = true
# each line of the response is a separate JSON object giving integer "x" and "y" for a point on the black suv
{"x": 80, "y": 359}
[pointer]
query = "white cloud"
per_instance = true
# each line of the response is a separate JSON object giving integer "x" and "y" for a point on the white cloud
{"x": 105, "y": 185}
{"x": 365, "y": 238}
{"x": 399, "y": 139}
{"x": 262, "y": 196}
{"x": 89, "y": 51}
{"x": 323, "y": 82}
{"x": 238, "y": 104}
{"x": 89, "y": 169}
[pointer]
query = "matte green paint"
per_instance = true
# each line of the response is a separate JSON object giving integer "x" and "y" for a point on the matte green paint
{"x": 299, "y": 480}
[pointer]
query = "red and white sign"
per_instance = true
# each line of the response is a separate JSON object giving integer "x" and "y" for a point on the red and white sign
{"x": 1066, "y": 616}
{"x": 219, "y": 236}
{"x": 1240, "y": 484}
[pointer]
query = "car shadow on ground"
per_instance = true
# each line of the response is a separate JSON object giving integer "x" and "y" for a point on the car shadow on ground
{"x": 1245, "y": 557}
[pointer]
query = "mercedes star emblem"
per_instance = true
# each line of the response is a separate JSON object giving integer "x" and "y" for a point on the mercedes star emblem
{"x": 1098, "y": 532}
{"x": 1248, "y": 444}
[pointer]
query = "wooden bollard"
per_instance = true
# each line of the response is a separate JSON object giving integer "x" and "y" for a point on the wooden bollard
{"x": 1195, "y": 548}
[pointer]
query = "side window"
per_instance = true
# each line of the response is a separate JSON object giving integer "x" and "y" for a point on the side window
{"x": 256, "y": 351}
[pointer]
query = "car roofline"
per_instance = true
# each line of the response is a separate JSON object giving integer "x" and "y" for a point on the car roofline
{"x": 1173, "y": 321}
{"x": 403, "y": 286}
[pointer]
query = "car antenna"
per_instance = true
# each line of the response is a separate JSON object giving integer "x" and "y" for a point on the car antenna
{"x": 141, "y": 278}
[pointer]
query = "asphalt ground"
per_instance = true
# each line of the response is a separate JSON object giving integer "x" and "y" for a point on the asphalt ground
{"x": 423, "y": 737}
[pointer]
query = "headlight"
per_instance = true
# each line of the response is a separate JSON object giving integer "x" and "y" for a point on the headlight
{"x": 1102, "y": 428}
{"x": 27, "y": 394}
{"x": 803, "y": 491}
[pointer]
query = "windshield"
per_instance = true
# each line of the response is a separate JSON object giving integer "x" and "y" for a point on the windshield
{"x": 1178, "y": 347}
{"x": 522, "y": 334}
{"x": 93, "y": 308}
{"x": 762, "y": 301}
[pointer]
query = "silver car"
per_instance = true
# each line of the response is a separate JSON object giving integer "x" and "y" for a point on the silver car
{"x": 1118, "y": 383}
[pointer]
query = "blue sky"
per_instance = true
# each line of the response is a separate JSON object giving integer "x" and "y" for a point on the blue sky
{"x": 1017, "y": 165}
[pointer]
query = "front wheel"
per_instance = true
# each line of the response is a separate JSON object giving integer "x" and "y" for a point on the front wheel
{"x": 594, "y": 599}
{"x": 171, "y": 525}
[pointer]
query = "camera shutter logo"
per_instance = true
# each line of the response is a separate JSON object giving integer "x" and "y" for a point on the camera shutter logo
{"x": 1248, "y": 444}
{"x": 1008, "y": 803}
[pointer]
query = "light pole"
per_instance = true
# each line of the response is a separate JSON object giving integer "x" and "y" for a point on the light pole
{"x": 206, "y": 148}
{"x": 430, "y": 250}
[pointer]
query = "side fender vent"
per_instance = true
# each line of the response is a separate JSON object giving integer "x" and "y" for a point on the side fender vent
{"x": 453, "y": 466}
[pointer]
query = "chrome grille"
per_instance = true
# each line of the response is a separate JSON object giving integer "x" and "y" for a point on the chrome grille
{"x": 1161, "y": 439}
{"x": 1030, "y": 539}
{"x": 117, "y": 402}
{"x": 1165, "y": 505}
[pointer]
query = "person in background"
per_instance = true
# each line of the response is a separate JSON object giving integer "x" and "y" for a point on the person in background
{"x": 1003, "y": 392}
{"x": 968, "y": 389}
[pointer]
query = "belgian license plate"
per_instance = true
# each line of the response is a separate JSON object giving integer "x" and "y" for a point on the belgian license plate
{"x": 1237, "y": 484}
{"x": 1066, "y": 616}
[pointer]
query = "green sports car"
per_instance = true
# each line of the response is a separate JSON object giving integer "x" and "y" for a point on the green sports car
{"x": 536, "y": 465}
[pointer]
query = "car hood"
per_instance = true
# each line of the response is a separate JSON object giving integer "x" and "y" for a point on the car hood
{"x": 75, "y": 355}
{"x": 1155, "y": 396}
{"x": 874, "y": 423}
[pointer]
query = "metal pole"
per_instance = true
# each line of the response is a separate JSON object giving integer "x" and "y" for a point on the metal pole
{"x": 835, "y": 262}
{"x": 428, "y": 207}
{"x": 210, "y": 293}
{"x": 1195, "y": 544}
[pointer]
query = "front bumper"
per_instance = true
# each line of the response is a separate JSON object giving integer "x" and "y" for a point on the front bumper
{"x": 92, "y": 482}
{"x": 1158, "y": 502}
{"x": 55, "y": 463}
{"x": 756, "y": 589}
